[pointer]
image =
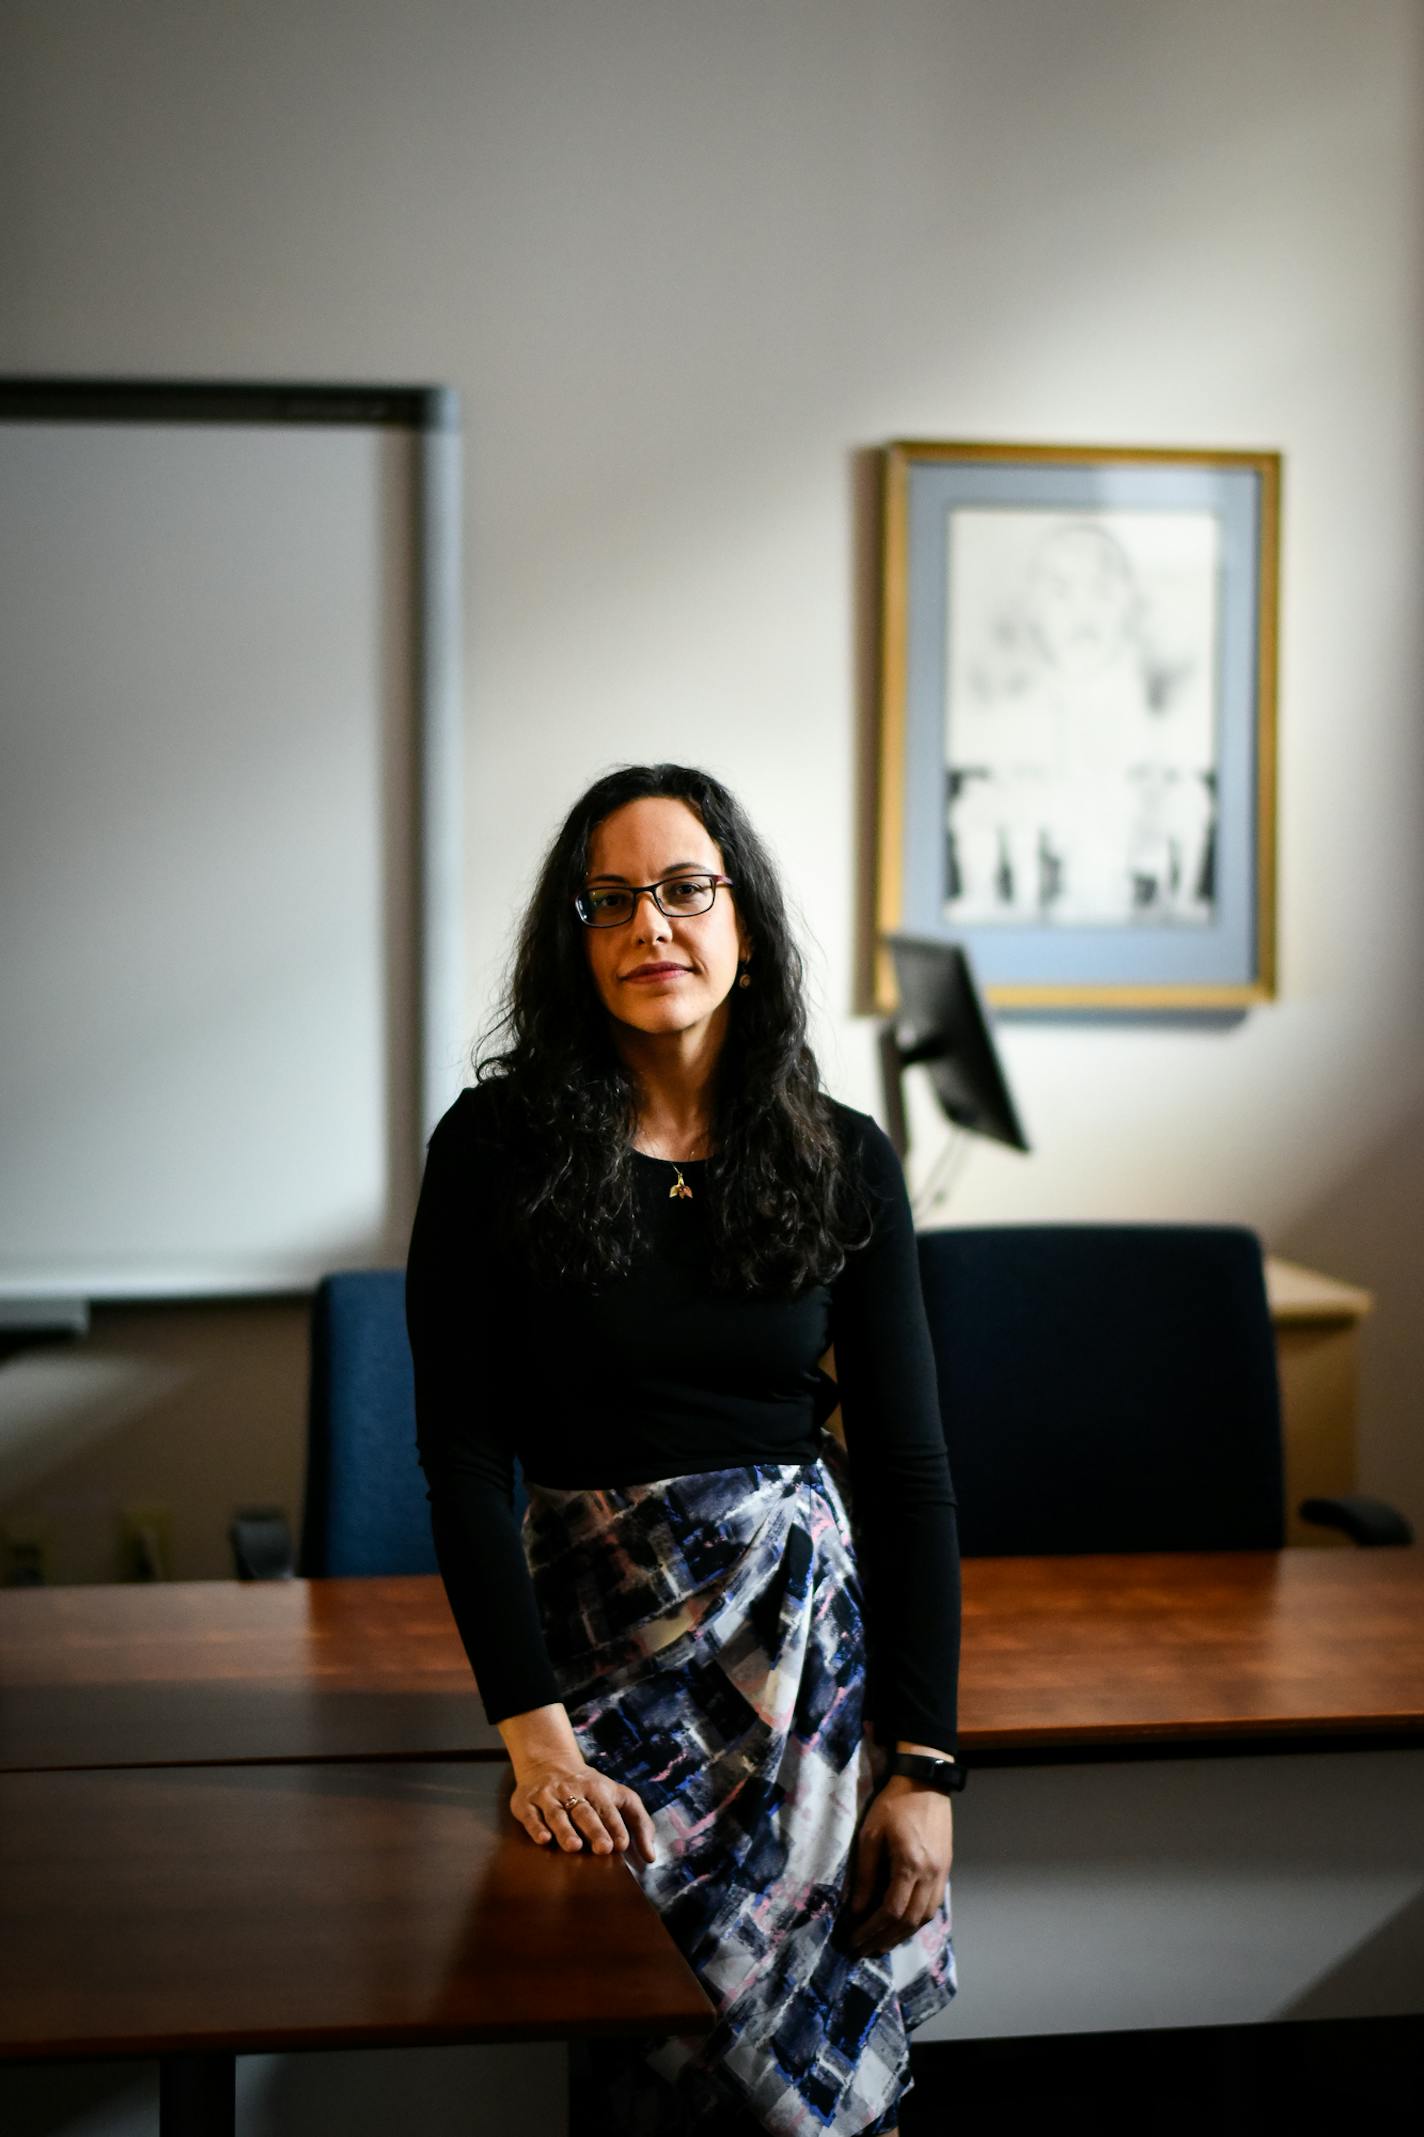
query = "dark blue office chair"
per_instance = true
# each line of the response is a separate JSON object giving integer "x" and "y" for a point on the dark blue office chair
{"x": 365, "y": 1508}
{"x": 1114, "y": 1388}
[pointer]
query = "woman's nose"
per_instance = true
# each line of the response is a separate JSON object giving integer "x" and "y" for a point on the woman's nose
{"x": 651, "y": 923}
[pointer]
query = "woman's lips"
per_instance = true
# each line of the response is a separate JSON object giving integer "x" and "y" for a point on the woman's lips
{"x": 656, "y": 972}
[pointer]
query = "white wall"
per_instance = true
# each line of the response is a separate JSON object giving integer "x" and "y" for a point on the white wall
{"x": 684, "y": 263}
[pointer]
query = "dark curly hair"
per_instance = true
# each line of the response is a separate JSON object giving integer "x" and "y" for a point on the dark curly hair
{"x": 784, "y": 1205}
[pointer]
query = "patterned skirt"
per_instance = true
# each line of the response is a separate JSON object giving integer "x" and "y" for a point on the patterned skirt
{"x": 707, "y": 1637}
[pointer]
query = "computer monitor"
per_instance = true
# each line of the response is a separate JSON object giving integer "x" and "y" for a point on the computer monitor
{"x": 942, "y": 1023}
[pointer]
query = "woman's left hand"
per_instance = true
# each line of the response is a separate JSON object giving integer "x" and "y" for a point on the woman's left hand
{"x": 902, "y": 1856}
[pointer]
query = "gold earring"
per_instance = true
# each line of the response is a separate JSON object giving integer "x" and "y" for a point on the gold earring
{"x": 745, "y": 980}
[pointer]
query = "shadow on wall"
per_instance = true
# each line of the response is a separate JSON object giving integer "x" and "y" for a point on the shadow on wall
{"x": 195, "y": 1406}
{"x": 1369, "y": 1229}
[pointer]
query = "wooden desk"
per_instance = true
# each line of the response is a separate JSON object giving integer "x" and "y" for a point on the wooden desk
{"x": 1196, "y": 1793}
{"x": 1317, "y": 1322}
{"x": 1176, "y": 1756}
{"x": 1197, "y": 1650}
{"x": 1086, "y": 1651}
{"x": 219, "y": 1672}
{"x": 199, "y": 1912}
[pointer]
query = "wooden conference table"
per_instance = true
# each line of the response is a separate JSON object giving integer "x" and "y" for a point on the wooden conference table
{"x": 1160, "y": 1650}
{"x": 254, "y": 1815}
{"x": 271, "y": 1816}
{"x": 196, "y": 1912}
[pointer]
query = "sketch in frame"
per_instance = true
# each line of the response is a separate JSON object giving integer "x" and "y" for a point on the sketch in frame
{"x": 1080, "y": 717}
{"x": 1078, "y": 720}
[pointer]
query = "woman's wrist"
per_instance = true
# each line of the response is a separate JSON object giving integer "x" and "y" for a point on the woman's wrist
{"x": 926, "y": 1751}
{"x": 542, "y": 1737}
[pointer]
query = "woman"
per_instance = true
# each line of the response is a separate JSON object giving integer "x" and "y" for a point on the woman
{"x": 637, "y": 1235}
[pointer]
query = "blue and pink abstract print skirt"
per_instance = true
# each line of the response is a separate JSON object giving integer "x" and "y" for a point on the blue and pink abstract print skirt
{"x": 707, "y": 1636}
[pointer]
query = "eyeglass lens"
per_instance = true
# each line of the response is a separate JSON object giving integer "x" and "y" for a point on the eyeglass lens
{"x": 608, "y": 906}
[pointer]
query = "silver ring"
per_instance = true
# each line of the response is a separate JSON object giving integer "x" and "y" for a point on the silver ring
{"x": 567, "y": 1802}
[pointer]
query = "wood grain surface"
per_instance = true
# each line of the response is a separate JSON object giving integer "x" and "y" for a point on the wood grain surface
{"x": 181, "y": 1672}
{"x": 145, "y": 1912}
{"x": 1189, "y": 1647}
{"x": 1094, "y": 1651}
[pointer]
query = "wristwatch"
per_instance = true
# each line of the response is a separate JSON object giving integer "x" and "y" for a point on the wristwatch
{"x": 946, "y": 1774}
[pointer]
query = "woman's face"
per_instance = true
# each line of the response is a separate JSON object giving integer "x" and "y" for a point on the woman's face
{"x": 655, "y": 974}
{"x": 1081, "y": 599}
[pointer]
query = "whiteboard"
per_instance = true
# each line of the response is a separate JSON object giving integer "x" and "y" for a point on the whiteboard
{"x": 229, "y": 848}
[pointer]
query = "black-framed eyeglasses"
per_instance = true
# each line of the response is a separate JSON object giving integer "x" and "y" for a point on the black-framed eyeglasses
{"x": 609, "y": 905}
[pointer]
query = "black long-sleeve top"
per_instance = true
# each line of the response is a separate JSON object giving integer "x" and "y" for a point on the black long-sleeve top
{"x": 658, "y": 1374}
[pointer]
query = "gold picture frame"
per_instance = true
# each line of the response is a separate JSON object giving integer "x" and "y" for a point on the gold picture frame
{"x": 1077, "y": 751}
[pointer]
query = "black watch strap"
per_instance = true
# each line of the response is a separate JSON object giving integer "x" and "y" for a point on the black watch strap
{"x": 946, "y": 1774}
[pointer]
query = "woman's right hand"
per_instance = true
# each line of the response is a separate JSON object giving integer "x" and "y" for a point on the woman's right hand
{"x": 544, "y": 1803}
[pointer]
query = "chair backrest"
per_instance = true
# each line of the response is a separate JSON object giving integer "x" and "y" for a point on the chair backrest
{"x": 1107, "y": 1387}
{"x": 366, "y": 1509}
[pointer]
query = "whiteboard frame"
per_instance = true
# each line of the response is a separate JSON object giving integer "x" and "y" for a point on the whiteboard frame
{"x": 431, "y": 414}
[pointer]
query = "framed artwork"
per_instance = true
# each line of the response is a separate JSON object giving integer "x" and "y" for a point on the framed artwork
{"x": 1077, "y": 739}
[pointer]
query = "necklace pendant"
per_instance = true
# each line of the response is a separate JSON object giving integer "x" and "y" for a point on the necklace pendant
{"x": 679, "y": 1191}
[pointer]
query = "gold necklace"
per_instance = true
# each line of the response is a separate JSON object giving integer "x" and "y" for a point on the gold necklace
{"x": 680, "y": 1191}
